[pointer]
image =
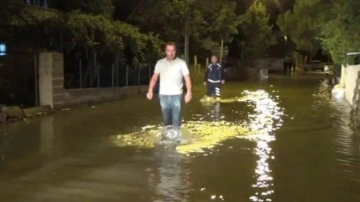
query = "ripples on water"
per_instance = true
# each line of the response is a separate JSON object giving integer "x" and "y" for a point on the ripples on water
{"x": 179, "y": 173}
{"x": 258, "y": 127}
{"x": 347, "y": 142}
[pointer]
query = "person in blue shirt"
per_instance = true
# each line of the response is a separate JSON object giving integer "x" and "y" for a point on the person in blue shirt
{"x": 214, "y": 77}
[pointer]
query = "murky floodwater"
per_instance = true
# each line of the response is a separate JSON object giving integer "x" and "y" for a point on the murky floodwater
{"x": 280, "y": 140}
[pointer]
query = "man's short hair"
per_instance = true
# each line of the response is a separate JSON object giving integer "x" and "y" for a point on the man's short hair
{"x": 214, "y": 55}
{"x": 170, "y": 44}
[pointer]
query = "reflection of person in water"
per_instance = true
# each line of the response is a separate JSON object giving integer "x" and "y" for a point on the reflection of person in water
{"x": 213, "y": 112}
{"x": 216, "y": 112}
{"x": 169, "y": 180}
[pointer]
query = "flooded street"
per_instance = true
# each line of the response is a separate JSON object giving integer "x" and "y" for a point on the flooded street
{"x": 279, "y": 140}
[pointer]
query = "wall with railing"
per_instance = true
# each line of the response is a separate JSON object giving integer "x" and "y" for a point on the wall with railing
{"x": 105, "y": 75}
{"x": 349, "y": 78}
{"x": 105, "y": 87}
{"x": 41, "y": 3}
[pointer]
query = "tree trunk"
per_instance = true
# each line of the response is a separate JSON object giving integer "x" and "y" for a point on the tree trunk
{"x": 139, "y": 77}
{"x": 221, "y": 50}
{"x": 116, "y": 70}
{"x": 186, "y": 48}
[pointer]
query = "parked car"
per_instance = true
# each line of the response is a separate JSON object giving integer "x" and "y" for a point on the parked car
{"x": 273, "y": 64}
{"x": 314, "y": 65}
{"x": 321, "y": 60}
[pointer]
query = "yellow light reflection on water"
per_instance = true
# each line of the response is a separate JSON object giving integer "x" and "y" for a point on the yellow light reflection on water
{"x": 200, "y": 136}
{"x": 197, "y": 136}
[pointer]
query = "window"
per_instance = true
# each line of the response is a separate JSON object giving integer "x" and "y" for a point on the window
{"x": 2, "y": 49}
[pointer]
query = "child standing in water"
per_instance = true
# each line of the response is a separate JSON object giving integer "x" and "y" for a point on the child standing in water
{"x": 214, "y": 78}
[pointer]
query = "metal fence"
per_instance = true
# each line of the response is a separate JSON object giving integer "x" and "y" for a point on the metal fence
{"x": 106, "y": 76}
{"x": 41, "y": 3}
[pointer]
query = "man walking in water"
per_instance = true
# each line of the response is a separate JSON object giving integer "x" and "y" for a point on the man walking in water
{"x": 172, "y": 70}
{"x": 213, "y": 78}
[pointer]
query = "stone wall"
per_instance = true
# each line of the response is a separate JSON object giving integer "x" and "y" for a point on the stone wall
{"x": 51, "y": 79}
{"x": 355, "y": 107}
{"x": 52, "y": 92}
{"x": 350, "y": 82}
{"x": 349, "y": 75}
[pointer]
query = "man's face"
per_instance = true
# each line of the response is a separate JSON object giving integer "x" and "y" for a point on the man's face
{"x": 170, "y": 52}
{"x": 214, "y": 59}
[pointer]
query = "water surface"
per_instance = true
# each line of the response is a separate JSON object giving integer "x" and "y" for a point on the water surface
{"x": 294, "y": 145}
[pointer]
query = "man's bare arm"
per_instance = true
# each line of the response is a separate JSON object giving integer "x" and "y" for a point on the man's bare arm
{"x": 188, "y": 95}
{"x": 152, "y": 84}
{"x": 188, "y": 83}
{"x": 153, "y": 81}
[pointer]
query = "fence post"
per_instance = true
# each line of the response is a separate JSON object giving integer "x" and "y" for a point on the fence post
{"x": 221, "y": 50}
{"x": 113, "y": 74}
{"x": 98, "y": 74}
{"x": 117, "y": 74}
{"x": 139, "y": 74}
{"x": 127, "y": 76}
{"x": 139, "y": 77}
{"x": 80, "y": 73}
{"x": 36, "y": 79}
{"x": 195, "y": 67}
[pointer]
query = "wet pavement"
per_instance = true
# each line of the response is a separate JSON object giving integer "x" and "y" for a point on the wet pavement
{"x": 284, "y": 139}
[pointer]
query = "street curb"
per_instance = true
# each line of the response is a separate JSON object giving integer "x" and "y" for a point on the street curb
{"x": 36, "y": 111}
{"x": 15, "y": 113}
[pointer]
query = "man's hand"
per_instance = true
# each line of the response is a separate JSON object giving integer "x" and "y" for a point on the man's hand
{"x": 188, "y": 97}
{"x": 154, "y": 78}
{"x": 222, "y": 81}
{"x": 188, "y": 88}
{"x": 149, "y": 95}
{"x": 204, "y": 83}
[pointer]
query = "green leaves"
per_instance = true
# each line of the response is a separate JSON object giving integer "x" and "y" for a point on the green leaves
{"x": 205, "y": 21}
{"x": 333, "y": 25}
{"x": 88, "y": 30}
{"x": 98, "y": 31}
{"x": 257, "y": 31}
{"x": 221, "y": 21}
{"x": 340, "y": 35}
{"x": 304, "y": 23}
{"x": 94, "y": 7}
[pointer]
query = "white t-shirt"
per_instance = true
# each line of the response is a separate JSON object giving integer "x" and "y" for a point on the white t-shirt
{"x": 171, "y": 75}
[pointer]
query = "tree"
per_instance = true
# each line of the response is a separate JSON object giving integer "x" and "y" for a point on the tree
{"x": 96, "y": 39}
{"x": 219, "y": 26}
{"x": 4, "y": 10}
{"x": 105, "y": 8}
{"x": 4, "y": 17}
{"x": 340, "y": 35}
{"x": 124, "y": 8}
{"x": 95, "y": 34}
{"x": 179, "y": 20}
{"x": 303, "y": 23}
{"x": 256, "y": 31}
